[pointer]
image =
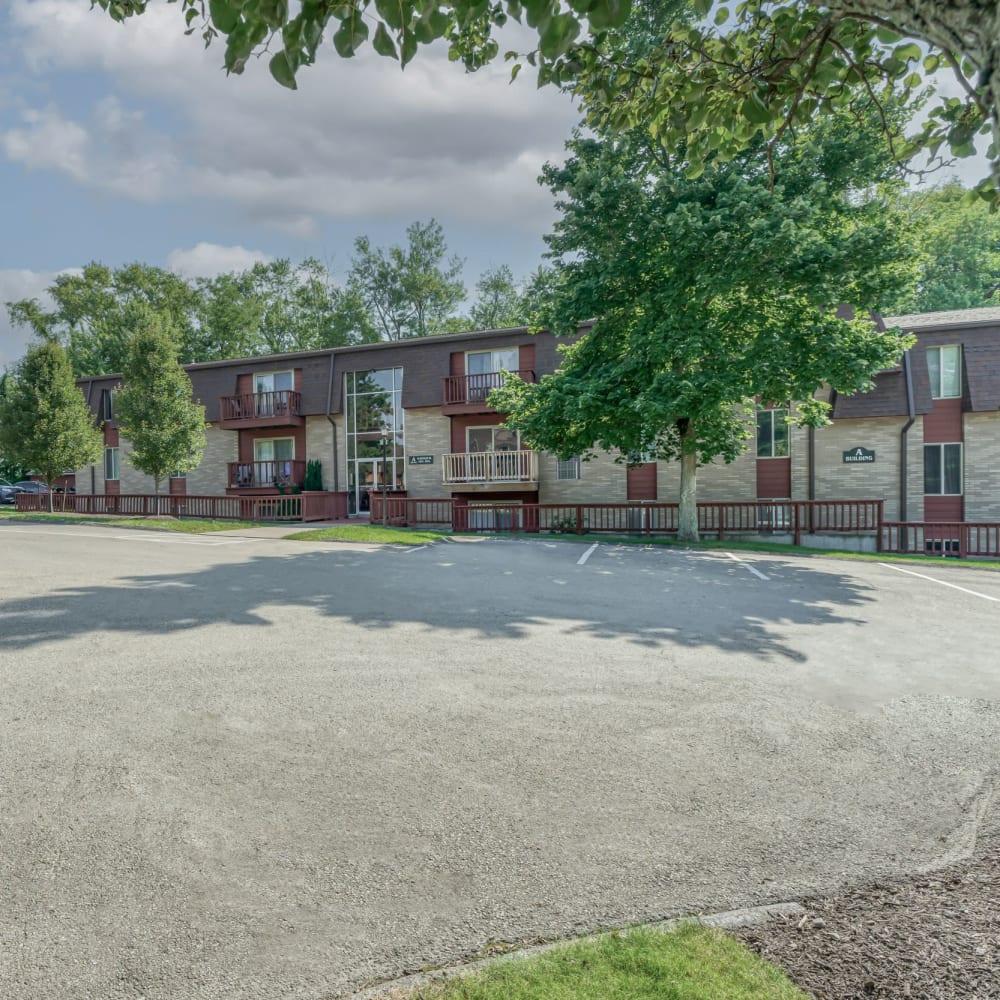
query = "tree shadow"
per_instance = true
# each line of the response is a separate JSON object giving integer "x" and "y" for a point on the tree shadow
{"x": 491, "y": 592}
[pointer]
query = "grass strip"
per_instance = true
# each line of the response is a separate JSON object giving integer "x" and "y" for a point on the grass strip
{"x": 367, "y": 533}
{"x": 692, "y": 962}
{"x": 188, "y": 526}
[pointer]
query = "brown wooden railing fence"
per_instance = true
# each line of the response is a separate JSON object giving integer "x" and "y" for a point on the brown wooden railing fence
{"x": 293, "y": 507}
{"x": 476, "y": 388}
{"x": 250, "y": 405}
{"x": 959, "y": 539}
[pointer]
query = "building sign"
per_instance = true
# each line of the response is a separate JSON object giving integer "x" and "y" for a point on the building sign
{"x": 858, "y": 456}
{"x": 421, "y": 460}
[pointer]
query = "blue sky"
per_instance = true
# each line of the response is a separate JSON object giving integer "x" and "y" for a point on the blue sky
{"x": 122, "y": 143}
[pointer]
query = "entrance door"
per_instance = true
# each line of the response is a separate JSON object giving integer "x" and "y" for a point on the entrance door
{"x": 364, "y": 475}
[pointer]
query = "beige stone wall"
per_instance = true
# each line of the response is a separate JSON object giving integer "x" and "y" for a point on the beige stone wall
{"x": 982, "y": 466}
{"x": 210, "y": 478}
{"x": 602, "y": 480}
{"x": 836, "y": 480}
{"x": 427, "y": 432}
{"x": 131, "y": 479}
{"x": 83, "y": 478}
{"x": 319, "y": 448}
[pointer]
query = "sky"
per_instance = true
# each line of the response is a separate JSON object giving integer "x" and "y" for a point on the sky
{"x": 123, "y": 143}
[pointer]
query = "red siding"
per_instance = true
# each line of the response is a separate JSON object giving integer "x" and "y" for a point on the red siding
{"x": 640, "y": 482}
{"x": 774, "y": 478}
{"x": 112, "y": 487}
{"x": 526, "y": 357}
{"x": 457, "y": 363}
{"x": 949, "y": 508}
{"x": 944, "y": 423}
{"x": 244, "y": 383}
{"x": 178, "y": 487}
{"x": 110, "y": 436}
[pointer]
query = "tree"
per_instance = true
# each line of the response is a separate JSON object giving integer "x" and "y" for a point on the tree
{"x": 738, "y": 73}
{"x": 155, "y": 412}
{"x": 95, "y": 313}
{"x": 958, "y": 246}
{"x": 405, "y": 291}
{"x": 45, "y": 424}
{"x": 712, "y": 294}
{"x": 499, "y": 302}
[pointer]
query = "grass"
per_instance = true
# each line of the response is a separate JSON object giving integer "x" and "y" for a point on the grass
{"x": 367, "y": 533}
{"x": 692, "y": 962}
{"x": 190, "y": 526}
{"x": 772, "y": 547}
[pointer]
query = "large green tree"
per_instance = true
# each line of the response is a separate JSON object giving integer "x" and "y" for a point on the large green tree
{"x": 734, "y": 74}
{"x": 958, "y": 247}
{"x": 711, "y": 294}
{"x": 45, "y": 423}
{"x": 153, "y": 405}
{"x": 405, "y": 291}
{"x": 499, "y": 301}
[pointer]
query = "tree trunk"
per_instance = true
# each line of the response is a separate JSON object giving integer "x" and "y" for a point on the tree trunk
{"x": 687, "y": 515}
{"x": 48, "y": 490}
{"x": 156, "y": 496}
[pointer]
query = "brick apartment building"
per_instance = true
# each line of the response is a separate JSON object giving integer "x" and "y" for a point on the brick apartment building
{"x": 413, "y": 417}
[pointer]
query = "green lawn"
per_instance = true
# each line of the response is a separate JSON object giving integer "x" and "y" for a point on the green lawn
{"x": 367, "y": 533}
{"x": 189, "y": 526}
{"x": 690, "y": 963}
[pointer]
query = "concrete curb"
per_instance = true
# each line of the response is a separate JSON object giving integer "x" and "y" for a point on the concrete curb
{"x": 396, "y": 989}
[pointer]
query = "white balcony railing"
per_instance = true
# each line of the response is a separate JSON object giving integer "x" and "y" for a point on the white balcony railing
{"x": 490, "y": 467}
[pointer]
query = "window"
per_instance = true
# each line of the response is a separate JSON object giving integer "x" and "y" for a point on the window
{"x": 107, "y": 404}
{"x": 944, "y": 366}
{"x": 111, "y": 463}
{"x": 272, "y": 393}
{"x": 943, "y": 469}
{"x": 483, "y": 369}
{"x": 568, "y": 469}
{"x": 492, "y": 439}
{"x": 178, "y": 474}
{"x": 274, "y": 450}
{"x": 772, "y": 433}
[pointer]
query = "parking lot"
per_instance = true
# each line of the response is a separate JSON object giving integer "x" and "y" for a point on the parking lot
{"x": 242, "y": 767}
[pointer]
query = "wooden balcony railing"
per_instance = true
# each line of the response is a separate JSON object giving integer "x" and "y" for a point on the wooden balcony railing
{"x": 460, "y": 390}
{"x": 260, "y": 475}
{"x": 491, "y": 467}
{"x": 283, "y": 407}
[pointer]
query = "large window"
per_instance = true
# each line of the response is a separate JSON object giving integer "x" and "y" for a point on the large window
{"x": 944, "y": 367}
{"x": 492, "y": 439}
{"x": 375, "y": 440}
{"x": 483, "y": 368}
{"x": 943, "y": 469}
{"x": 111, "y": 463}
{"x": 568, "y": 469}
{"x": 107, "y": 404}
{"x": 772, "y": 433}
{"x": 274, "y": 450}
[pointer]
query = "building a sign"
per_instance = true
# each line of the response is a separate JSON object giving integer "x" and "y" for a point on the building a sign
{"x": 858, "y": 456}
{"x": 421, "y": 460}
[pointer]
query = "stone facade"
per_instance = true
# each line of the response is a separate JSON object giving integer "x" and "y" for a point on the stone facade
{"x": 211, "y": 476}
{"x": 131, "y": 479}
{"x": 602, "y": 480}
{"x": 319, "y": 448}
{"x": 982, "y": 466}
{"x": 427, "y": 432}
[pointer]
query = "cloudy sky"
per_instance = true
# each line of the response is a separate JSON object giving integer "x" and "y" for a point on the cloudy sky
{"x": 122, "y": 143}
{"x": 129, "y": 143}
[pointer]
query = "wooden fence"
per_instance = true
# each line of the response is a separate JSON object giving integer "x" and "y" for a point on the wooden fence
{"x": 959, "y": 539}
{"x": 290, "y": 507}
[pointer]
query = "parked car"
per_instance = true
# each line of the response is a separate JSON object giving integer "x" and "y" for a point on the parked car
{"x": 8, "y": 491}
{"x": 30, "y": 486}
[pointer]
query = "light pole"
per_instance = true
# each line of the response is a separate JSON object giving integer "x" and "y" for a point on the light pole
{"x": 385, "y": 499}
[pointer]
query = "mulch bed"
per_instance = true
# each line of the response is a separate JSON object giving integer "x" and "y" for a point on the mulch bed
{"x": 927, "y": 937}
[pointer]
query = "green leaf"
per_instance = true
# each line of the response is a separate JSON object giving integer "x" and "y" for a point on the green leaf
{"x": 558, "y": 36}
{"x": 349, "y": 37}
{"x": 887, "y": 36}
{"x": 409, "y": 47}
{"x": 609, "y": 14}
{"x": 282, "y": 71}
{"x": 721, "y": 16}
{"x": 391, "y": 11}
{"x": 382, "y": 43}
{"x": 223, "y": 16}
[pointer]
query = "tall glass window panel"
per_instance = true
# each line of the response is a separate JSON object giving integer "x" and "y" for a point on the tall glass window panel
{"x": 943, "y": 469}
{"x": 944, "y": 369}
{"x": 772, "y": 434}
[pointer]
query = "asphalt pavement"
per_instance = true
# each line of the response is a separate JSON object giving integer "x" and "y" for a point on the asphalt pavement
{"x": 245, "y": 767}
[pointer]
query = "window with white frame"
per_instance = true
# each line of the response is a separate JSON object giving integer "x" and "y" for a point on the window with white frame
{"x": 944, "y": 367}
{"x": 111, "y": 463}
{"x": 943, "y": 469}
{"x": 483, "y": 369}
{"x": 772, "y": 433}
{"x": 493, "y": 438}
{"x": 568, "y": 468}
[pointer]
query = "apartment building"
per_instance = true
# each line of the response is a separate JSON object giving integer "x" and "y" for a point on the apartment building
{"x": 413, "y": 418}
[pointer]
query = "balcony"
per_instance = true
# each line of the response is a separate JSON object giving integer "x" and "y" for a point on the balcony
{"x": 281, "y": 408}
{"x": 469, "y": 393}
{"x": 266, "y": 475}
{"x": 490, "y": 470}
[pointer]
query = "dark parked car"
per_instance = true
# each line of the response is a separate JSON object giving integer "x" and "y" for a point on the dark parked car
{"x": 30, "y": 486}
{"x": 7, "y": 491}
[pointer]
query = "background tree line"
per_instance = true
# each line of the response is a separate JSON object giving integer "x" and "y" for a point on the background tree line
{"x": 393, "y": 293}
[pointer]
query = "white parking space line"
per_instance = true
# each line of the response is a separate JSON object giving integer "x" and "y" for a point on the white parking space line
{"x": 943, "y": 583}
{"x": 131, "y": 537}
{"x": 756, "y": 572}
{"x": 587, "y": 554}
{"x": 416, "y": 548}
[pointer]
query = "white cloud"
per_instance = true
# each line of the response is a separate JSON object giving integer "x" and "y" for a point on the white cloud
{"x": 359, "y": 137}
{"x": 14, "y": 286}
{"x": 206, "y": 260}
